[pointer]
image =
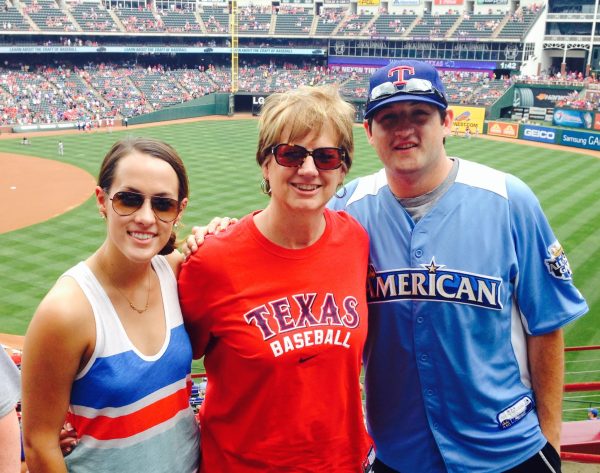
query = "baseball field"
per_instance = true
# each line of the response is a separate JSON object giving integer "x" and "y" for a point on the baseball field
{"x": 224, "y": 180}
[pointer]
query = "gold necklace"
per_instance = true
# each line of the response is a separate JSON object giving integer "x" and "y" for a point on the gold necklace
{"x": 139, "y": 311}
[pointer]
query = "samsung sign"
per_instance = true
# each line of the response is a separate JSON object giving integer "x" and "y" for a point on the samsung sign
{"x": 581, "y": 139}
{"x": 539, "y": 133}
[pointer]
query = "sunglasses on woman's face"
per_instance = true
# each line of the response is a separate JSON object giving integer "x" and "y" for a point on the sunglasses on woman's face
{"x": 125, "y": 203}
{"x": 293, "y": 156}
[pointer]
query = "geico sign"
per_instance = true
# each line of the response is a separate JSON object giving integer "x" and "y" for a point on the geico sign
{"x": 544, "y": 134}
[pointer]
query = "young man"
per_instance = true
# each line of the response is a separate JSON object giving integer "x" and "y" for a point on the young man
{"x": 468, "y": 290}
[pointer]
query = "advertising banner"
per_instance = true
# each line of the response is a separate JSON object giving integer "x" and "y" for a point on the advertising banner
{"x": 540, "y": 96}
{"x": 543, "y": 134}
{"x": 573, "y": 118}
{"x": 369, "y": 63}
{"x": 581, "y": 139}
{"x": 470, "y": 118}
{"x": 596, "y": 121}
{"x": 257, "y": 103}
{"x": 148, "y": 50}
{"x": 507, "y": 130}
{"x": 492, "y": 2}
{"x": 368, "y": 3}
{"x": 448, "y": 2}
{"x": 532, "y": 113}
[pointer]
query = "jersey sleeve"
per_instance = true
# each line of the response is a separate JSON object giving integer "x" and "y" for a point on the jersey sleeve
{"x": 546, "y": 295}
{"x": 193, "y": 286}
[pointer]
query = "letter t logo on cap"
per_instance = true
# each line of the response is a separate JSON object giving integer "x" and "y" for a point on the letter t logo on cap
{"x": 400, "y": 70}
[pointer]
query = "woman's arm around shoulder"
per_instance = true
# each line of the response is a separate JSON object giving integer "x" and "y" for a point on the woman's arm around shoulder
{"x": 59, "y": 342}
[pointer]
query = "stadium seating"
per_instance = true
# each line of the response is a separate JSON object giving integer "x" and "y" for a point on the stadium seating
{"x": 518, "y": 24}
{"x": 11, "y": 19}
{"x": 388, "y": 25}
{"x": 293, "y": 22}
{"x": 355, "y": 25}
{"x": 35, "y": 94}
{"x": 489, "y": 92}
{"x": 47, "y": 16}
{"x": 93, "y": 17}
{"x": 160, "y": 87}
{"x": 180, "y": 21}
{"x": 433, "y": 26}
{"x": 138, "y": 20}
{"x": 478, "y": 25}
{"x": 328, "y": 21}
{"x": 216, "y": 19}
{"x": 254, "y": 21}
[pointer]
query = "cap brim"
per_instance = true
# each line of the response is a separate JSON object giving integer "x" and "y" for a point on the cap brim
{"x": 432, "y": 99}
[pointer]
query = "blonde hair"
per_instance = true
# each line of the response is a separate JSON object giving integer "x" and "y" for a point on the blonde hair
{"x": 302, "y": 111}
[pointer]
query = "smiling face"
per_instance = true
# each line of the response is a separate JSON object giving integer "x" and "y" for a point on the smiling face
{"x": 408, "y": 137}
{"x": 304, "y": 188}
{"x": 141, "y": 235}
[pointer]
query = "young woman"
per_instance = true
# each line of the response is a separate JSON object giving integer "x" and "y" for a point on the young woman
{"x": 107, "y": 346}
{"x": 277, "y": 306}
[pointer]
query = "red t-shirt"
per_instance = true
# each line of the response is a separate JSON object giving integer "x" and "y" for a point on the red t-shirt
{"x": 282, "y": 332}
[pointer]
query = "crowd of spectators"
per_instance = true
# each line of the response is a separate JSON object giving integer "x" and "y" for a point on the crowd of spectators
{"x": 49, "y": 94}
{"x": 252, "y": 19}
{"x": 331, "y": 15}
{"x": 249, "y": 18}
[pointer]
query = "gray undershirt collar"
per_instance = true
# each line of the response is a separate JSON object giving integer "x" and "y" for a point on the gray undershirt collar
{"x": 418, "y": 206}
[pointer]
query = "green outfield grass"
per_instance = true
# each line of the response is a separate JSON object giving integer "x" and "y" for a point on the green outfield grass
{"x": 224, "y": 179}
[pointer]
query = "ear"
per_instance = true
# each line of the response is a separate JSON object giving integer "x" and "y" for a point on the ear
{"x": 368, "y": 131}
{"x": 448, "y": 121}
{"x": 265, "y": 168}
{"x": 182, "y": 207}
{"x": 101, "y": 200}
{"x": 343, "y": 172}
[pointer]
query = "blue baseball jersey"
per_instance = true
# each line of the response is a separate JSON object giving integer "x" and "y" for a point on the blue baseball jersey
{"x": 451, "y": 299}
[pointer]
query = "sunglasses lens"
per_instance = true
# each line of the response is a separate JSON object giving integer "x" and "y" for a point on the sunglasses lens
{"x": 290, "y": 155}
{"x": 383, "y": 90}
{"x": 125, "y": 203}
{"x": 166, "y": 209}
{"x": 327, "y": 158}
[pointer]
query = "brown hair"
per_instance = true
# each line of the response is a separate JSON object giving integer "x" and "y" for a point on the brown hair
{"x": 151, "y": 147}
{"x": 302, "y": 111}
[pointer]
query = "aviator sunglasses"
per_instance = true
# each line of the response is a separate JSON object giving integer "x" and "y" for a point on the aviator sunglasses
{"x": 412, "y": 86}
{"x": 126, "y": 202}
{"x": 292, "y": 156}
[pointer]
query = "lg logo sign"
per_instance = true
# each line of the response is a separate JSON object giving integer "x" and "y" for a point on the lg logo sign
{"x": 536, "y": 133}
{"x": 258, "y": 100}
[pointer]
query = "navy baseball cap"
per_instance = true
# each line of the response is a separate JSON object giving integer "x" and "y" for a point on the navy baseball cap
{"x": 405, "y": 80}
{"x": 593, "y": 411}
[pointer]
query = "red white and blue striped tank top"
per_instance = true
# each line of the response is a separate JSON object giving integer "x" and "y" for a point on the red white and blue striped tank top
{"x": 131, "y": 411}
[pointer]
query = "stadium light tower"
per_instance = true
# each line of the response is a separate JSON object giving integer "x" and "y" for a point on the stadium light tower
{"x": 233, "y": 29}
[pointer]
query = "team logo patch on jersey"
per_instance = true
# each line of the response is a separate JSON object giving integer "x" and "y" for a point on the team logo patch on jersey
{"x": 513, "y": 414}
{"x": 558, "y": 264}
{"x": 432, "y": 282}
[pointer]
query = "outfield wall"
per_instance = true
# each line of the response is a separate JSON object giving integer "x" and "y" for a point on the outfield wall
{"x": 544, "y": 134}
{"x": 213, "y": 104}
